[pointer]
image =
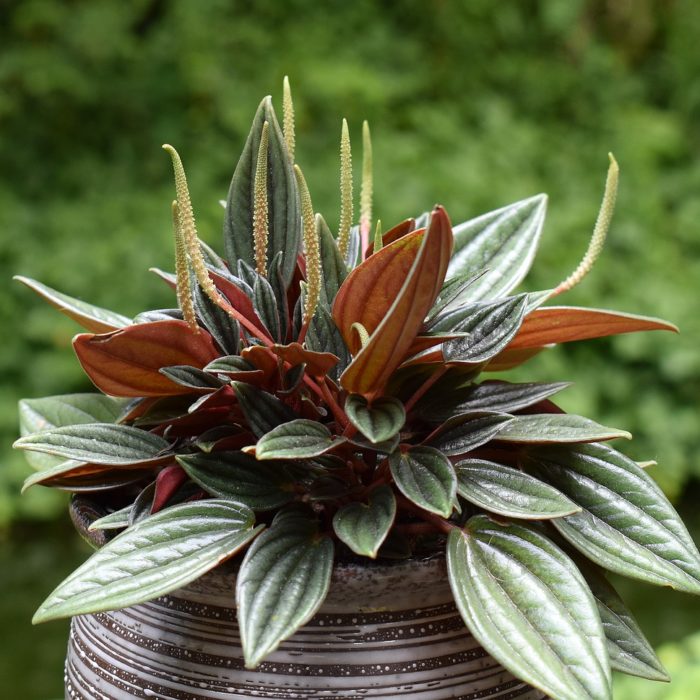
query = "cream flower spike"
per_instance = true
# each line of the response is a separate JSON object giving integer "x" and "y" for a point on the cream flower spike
{"x": 600, "y": 231}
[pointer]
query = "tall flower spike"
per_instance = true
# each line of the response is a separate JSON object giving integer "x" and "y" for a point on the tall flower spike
{"x": 345, "y": 191}
{"x": 288, "y": 117}
{"x": 182, "y": 271}
{"x": 367, "y": 186}
{"x": 188, "y": 229}
{"x": 260, "y": 211}
{"x": 311, "y": 248}
{"x": 600, "y": 231}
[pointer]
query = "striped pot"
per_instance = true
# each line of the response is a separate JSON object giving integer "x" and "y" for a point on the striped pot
{"x": 384, "y": 631}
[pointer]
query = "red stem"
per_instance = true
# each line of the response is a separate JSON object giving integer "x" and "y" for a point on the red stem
{"x": 420, "y": 392}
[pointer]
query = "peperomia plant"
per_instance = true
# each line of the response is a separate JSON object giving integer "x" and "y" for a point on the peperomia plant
{"x": 318, "y": 397}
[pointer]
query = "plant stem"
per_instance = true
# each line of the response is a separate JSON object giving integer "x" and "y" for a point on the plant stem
{"x": 423, "y": 388}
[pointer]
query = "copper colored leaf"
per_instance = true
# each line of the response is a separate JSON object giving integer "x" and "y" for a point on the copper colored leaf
{"x": 127, "y": 362}
{"x": 563, "y": 324}
{"x": 372, "y": 367}
{"x": 318, "y": 364}
{"x": 371, "y": 288}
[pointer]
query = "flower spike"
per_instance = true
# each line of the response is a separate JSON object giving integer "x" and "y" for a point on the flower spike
{"x": 182, "y": 271}
{"x": 600, "y": 231}
{"x": 345, "y": 190}
{"x": 188, "y": 230}
{"x": 260, "y": 208}
{"x": 367, "y": 186}
{"x": 288, "y": 117}
{"x": 311, "y": 248}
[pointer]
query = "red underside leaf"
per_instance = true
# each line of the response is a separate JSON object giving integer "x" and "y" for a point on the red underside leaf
{"x": 126, "y": 362}
{"x": 318, "y": 364}
{"x": 368, "y": 292}
{"x": 393, "y": 234}
{"x": 563, "y": 324}
{"x": 168, "y": 482}
{"x": 512, "y": 357}
{"x": 421, "y": 271}
{"x": 238, "y": 299}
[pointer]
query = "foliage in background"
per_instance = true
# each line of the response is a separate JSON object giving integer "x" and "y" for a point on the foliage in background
{"x": 501, "y": 105}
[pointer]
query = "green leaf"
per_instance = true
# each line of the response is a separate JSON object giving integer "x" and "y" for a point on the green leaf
{"x": 282, "y": 197}
{"x": 153, "y": 557}
{"x": 504, "y": 241}
{"x": 263, "y": 411}
{"x": 240, "y": 477}
{"x": 452, "y": 295}
{"x": 488, "y": 396}
{"x": 323, "y": 336}
{"x": 509, "y": 491}
{"x": 298, "y": 439}
{"x": 364, "y": 527}
{"x": 334, "y": 269}
{"x": 90, "y": 317}
{"x": 98, "y": 443}
{"x": 491, "y": 326}
{"x": 265, "y": 305}
{"x": 530, "y": 608}
{"x": 627, "y": 524}
{"x": 557, "y": 427}
{"x": 466, "y": 432}
{"x": 114, "y": 521}
{"x": 282, "y": 582}
{"x": 378, "y": 421}
{"x": 224, "y": 328}
{"x": 191, "y": 377}
{"x": 37, "y": 415}
{"x": 426, "y": 477}
{"x": 628, "y": 648}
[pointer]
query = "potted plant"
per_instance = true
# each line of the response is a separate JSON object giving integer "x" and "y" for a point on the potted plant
{"x": 311, "y": 441}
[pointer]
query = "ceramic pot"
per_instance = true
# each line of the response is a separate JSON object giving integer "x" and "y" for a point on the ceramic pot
{"x": 385, "y": 631}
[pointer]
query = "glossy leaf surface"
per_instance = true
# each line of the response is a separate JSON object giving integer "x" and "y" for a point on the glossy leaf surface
{"x": 627, "y": 524}
{"x": 298, "y": 439}
{"x": 527, "y": 604}
{"x": 378, "y": 421}
{"x": 469, "y": 431}
{"x": 426, "y": 477}
{"x": 283, "y": 580}
{"x": 36, "y": 415}
{"x": 553, "y": 427}
{"x": 98, "y": 443}
{"x": 504, "y": 242}
{"x": 282, "y": 198}
{"x": 628, "y": 648}
{"x": 498, "y": 396}
{"x": 490, "y": 328}
{"x": 127, "y": 362}
{"x": 153, "y": 557}
{"x": 510, "y": 492}
{"x": 263, "y": 410}
{"x": 91, "y": 317}
{"x": 240, "y": 477}
{"x": 364, "y": 526}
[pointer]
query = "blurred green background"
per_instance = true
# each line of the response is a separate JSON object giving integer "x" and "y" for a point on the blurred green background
{"x": 472, "y": 104}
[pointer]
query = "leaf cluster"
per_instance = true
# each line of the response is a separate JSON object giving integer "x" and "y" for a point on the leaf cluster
{"x": 362, "y": 424}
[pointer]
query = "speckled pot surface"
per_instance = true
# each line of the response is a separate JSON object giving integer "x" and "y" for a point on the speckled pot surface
{"x": 385, "y": 631}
